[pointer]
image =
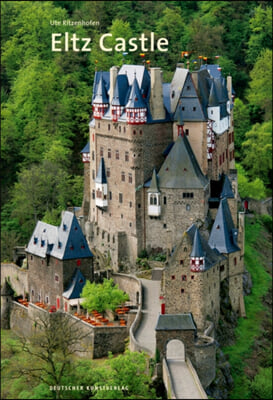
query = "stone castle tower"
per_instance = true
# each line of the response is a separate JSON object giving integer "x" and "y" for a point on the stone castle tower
{"x": 160, "y": 167}
{"x": 157, "y": 153}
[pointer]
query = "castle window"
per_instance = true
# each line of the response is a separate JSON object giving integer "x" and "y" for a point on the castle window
{"x": 123, "y": 176}
{"x": 192, "y": 276}
{"x": 184, "y": 277}
{"x": 201, "y": 262}
{"x": 117, "y": 154}
{"x": 124, "y": 129}
{"x": 187, "y": 195}
{"x": 183, "y": 108}
{"x": 187, "y": 132}
{"x": 181, "y": 262}
{"x": 101, "y": 151}
{"x": 47, "y": 299}
{"x": 188, "y": 207}
{"x": 93, "y": 155}
{"x": 121, "y": 216}
{"x": 211, "y": 112}
{"x": 93, "y": 194}
{"x": 110, "y": 195}
{"x": 185, "y": 249}
{"x": 220, "y": 159}
{"x": 194, "y": 109}
{"x": 140, "y": 132}
{"x": 109, "y": 127}
{"x": 119, "y": 129}
{"x": 218, "y": 227}
{"x": 165, "y": 200}
{"x": 173, "y": 277}
{"x": 93, "y": 174}
{"x": 120, "y": 197}
{"x": 182, "y": 291}
{"x": 109, "y": 153}
{"x": 164, "y": 226}
{"x": 102, "y": 234}
{"x": 56, "y": 278}
{"x": 108, "y": 238}
{"x": 108, "y": 173}
{"x": 130, "y": 178}
{"x": 139, "y": 205}
{"x": 78, "y": 263}
{"x": 113, "y": 240}
{"x": 235, "y": 261}
{"x": 211, "y": 303}
{"x": 130, "y": 204}
{"x": 130, "y": 224}
{"x": 134, "y": 132}
{"x": 93, "y": 137}
{"x": 126, "y": 156}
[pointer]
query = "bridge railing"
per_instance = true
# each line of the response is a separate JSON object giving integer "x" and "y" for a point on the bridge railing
{"x": 167, "y": 380}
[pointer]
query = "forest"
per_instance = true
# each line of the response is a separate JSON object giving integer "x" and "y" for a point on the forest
{"x": 46, "y": 95}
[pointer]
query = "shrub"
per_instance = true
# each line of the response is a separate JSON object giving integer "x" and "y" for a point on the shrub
{"x": 261, "y": 386}
{"x": 267, "y": 222}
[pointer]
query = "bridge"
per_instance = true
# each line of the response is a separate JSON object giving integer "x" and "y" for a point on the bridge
{"x": 179, "y": 376}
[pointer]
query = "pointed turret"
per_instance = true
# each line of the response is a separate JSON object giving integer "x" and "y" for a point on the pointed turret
{"x": 223, "y": 236}
{"x": 101, "y": 186}
{"x": 100, "y": 101}
{"x": 136, "y": 108}
{"x": 181, "y": 170}
{"x": 227, "y": 189}
{"x": 197, "y": 254}
{"x": 154, "y": 207}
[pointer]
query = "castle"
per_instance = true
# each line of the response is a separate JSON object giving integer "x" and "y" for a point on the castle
{"x": 160, "y": 175}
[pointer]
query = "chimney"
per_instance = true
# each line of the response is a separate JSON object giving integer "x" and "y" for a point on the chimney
{"x": 113, "y": 78}
{"x": 229, "y": 87}
{"x": 156, "y": 96}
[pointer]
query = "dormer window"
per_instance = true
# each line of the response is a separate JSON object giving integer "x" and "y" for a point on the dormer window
{"x": 35, "y": 240}
{"x": 71, "y": 246}
{"x": 59, "y": 245}
{"x": 42, "y": 243}
{"x": 64, "y": 227}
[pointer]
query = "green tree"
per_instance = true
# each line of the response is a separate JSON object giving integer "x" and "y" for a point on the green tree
{"x": 254, "y": 189}
{"x": 261, "y": 32}
{"x": 102, "y": 297}
{"x": 260, "y": 91}
{"x": 130, "y": 373}
{"x": 257, "y": 150}
{"x": 241, "y": 125}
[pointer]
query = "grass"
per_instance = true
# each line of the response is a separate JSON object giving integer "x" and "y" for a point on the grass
{"x": 249, "y": 329}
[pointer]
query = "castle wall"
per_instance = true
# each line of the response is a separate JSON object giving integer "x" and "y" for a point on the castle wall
{"x": 50, "y": 277}
{"x": 195, "y": 292}
{"x": 204, "y": 359}
{"x": 176, "y": 216}
{"x": 17, "y": 277}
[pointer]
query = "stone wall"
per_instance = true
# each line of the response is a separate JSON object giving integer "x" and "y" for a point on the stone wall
{"x": 195, "y": 292}
{"x": 177, "y": 215}
{"x": 17, "y": 277}
{"x": 204, "y": 359}
{"x": 187, "y": 337}
{"x": 129, "y": 284}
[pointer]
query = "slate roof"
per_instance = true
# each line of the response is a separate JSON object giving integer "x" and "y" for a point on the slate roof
{"x": 86, "y": 148}
{"x": 223, "y": 235}
{"x": 197, "y": 248}
{"x": 227, "y": 189}
{"x": 64, "y": 242}
{"x": 181, "y": 322}
{"x": 120, "y": 96}
{"x": 212, "y": 256}
{"x": 101, "y": 96}
{"x": 135, "y": 97}
{"x": 180, "y": 169}
{"x": 154, "y": 185}
{"x": 101, "y": 175}
{"x": 76, "y": 285}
